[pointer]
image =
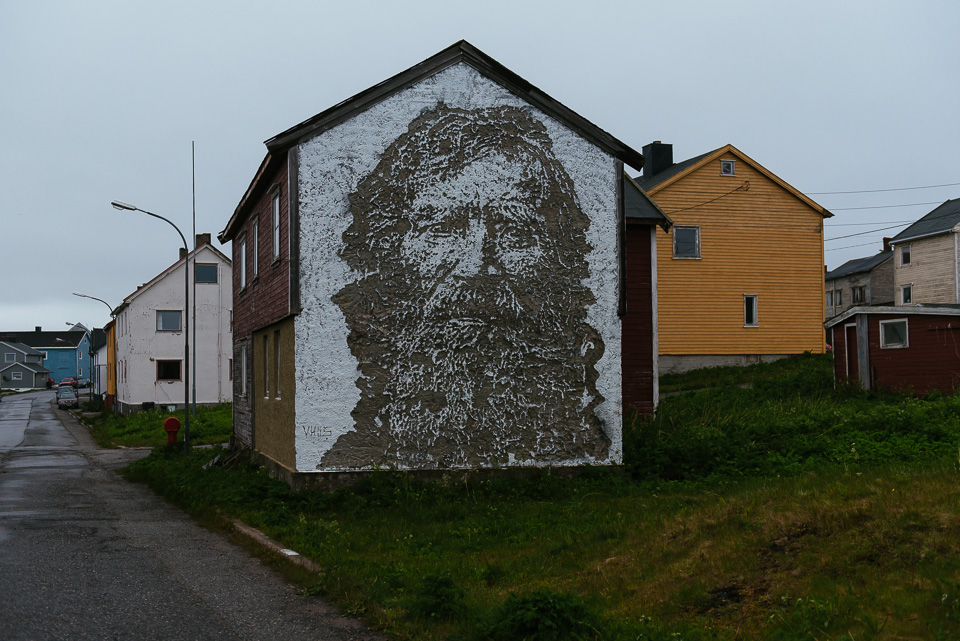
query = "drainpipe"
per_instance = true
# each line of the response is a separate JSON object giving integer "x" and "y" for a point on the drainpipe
{"x": 956, "y": 268}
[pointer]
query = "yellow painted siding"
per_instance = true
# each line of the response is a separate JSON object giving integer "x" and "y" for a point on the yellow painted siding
{"x": 931, "y": 270}
{"x": 762, "y": 241}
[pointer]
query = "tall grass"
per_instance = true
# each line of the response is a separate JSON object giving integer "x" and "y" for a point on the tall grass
{"x": 145, "y": 429}
{"x": 784, "y": 512}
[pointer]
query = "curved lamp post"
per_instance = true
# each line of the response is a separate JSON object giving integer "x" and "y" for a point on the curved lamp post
{"x": 186, "y": 317}
{"x": 98, "y": 384}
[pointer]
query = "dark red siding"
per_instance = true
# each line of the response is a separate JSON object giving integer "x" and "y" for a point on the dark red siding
{"x": 637, "y": 324}
{"x": 931, "y": 362}
{"x": 266, "y": 297}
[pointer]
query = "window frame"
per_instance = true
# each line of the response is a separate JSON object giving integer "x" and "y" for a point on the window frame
{"x": 830, "y": 298}
{"x": 275, "y": 215}
{"x": 216, "y": 274}
{"x": 756, "y": 310}
{"x": 243, "y": 370}
{"x": 266, "y": 366}
{"x": 16, "y": 376}
{"x": 242, "y": 255}
{"x": 728, "y": 163}
{"x": 906, "y": 250}
{"x": 862, "y": 291}
{"x": 179, "y": 363}
{"x": 906, "y": 333}
{"x": 276, "y": 368}
{"x": 9, "y": 357}
{"x": 677, "y": 228}
{"x": 179, "y": 314}
{"x": 256, "y": 247}
{"x": 909, "y": 288}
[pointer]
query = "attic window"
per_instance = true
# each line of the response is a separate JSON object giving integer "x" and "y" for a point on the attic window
{"x": 727, "y": 167}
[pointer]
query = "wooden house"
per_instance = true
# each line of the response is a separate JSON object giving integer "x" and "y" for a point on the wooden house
{"x": 927, "y": 266}
{"x": 914, "y": 348}
{"x": 431, "y": 275}
{"x": 861, "y": 281}
{"x": 741, "y": 277}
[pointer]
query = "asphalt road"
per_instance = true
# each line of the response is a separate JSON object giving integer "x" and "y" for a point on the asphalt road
{"x": 86, "y": 555}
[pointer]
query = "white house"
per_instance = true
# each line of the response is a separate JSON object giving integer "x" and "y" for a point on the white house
{"x": 150, "y": 339}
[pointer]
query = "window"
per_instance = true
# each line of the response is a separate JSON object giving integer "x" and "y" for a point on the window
{"x": 168, "y": 370}
{"x": 230, "y": 370}
{"x": 266, "y": 367}
{"x": 905, "y": 255}
{"x": 893, "y": 334}
{"x": 276, "y": 359}
{"x": 749, "y": 310}
{"x": 276, "y": 224}
{"x": 256, "y": 248}
{"x": 727, "y": 167}
{"x": 859, "y": 294}
{"x": 205, "y": 273}
{"x": 242, "y": 258}
{"x": 830, "y": 299}
{"x": 16, "y": 376}
{"x": 168, "y": 321}
{"x": 906, "y": 295}
{"x": 838, "y": 297}
{"x": 9, "y": 357}
{"x": 686, "y": 242}
{"x": 243, "y": 370}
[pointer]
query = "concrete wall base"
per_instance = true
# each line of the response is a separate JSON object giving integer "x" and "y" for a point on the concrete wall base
{"x": 330, "y": 481}
{"x": 677, "y": 364}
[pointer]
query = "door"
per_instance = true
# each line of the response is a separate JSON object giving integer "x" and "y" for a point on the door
{"x": 850, "y": 353}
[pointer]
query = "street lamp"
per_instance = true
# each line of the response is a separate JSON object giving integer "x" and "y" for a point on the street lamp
{"x": 186, "y": 318}
{"x": 98, "y": 384}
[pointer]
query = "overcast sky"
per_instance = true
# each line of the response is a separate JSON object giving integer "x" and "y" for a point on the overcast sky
{"x": 100, "y": 101}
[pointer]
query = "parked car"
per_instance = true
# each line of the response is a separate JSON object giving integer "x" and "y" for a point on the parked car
{"x": 71, "y": 381}
{"x": 67, "y": 396}
{"x": 83, "y": 382}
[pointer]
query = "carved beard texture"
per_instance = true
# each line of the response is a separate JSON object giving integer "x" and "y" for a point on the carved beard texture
{"x": 483, "y": 370}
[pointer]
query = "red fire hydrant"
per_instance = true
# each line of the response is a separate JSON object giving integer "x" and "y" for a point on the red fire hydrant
{"x": 172, "y": 426}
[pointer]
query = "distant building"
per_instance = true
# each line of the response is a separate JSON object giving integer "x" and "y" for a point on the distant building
{"x": 927, "y": 266}
{"x": 740, "y": 278}
{"x": 861, "y": 281}
{"x": 149, "y": 327}
{"x": 21, "y": 366}
{"x": 65, "y": 354}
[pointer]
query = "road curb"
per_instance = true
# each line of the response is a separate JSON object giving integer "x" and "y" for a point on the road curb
{"x": 265, "y": 541}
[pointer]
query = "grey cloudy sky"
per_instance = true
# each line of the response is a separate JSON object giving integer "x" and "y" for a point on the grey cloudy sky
{"x": 100, "y": 100}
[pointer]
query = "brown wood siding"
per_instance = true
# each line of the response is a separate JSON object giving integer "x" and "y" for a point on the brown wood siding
{"x": 931, "y": 362}
{"x": 637, "y": 324}
{"x": 266, "y": 298}
{"x": 762, "y": 241}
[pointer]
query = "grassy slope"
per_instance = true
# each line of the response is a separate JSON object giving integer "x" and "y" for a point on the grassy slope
{"x": 145, "y": 429}
{"x": 789, "y": 511}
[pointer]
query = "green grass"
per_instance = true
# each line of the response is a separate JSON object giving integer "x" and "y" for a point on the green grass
{"x": 145, "y": 429}
{"x": 786, "y": 512}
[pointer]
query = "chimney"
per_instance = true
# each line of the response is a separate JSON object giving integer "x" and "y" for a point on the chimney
{"x": 183, "y": 253}
{"x": 658, "y": 158}
{"x": 203, "y": 239}
{"x": 36, "y": 328}
{"x": 886, "y": 243}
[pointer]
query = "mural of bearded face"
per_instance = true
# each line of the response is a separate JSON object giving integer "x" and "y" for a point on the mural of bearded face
{"x": 468, "y": 317}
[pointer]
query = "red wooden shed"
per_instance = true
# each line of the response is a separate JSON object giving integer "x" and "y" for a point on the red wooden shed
{"x": 915, "y": 348}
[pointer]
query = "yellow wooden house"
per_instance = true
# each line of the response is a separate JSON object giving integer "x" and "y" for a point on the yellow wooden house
{"x": 741, "y": 278}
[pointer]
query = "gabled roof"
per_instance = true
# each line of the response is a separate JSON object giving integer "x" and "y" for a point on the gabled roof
{"x": 22, "y": 348}
{"x": 859, "y": 265}
{"x": 939, "y": 221}
{"x": 638, "y": 207}
{"x": 33, "y": 367}
{"x": 653, "y": 184}
{"x": 99, "y": 339}
{"x": 45, "y": 340}
{"x": 899, "y": 310}
{"x": 167, "y": 271}
{"x": 461, "y": 51}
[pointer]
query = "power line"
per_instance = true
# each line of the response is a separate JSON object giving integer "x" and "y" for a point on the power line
{"x": 864, "y": 233}
{"x": 884, "y": 206}
{"x": 876, "y": 191}
{"x": 876, "y": 222}
{"x": 833, "y": 249}
{"x": 745, "y": 187}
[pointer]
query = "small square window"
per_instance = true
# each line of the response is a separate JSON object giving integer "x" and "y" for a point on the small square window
{"x": 168, "y": 321}
{"x": 750, "y": 310}
{"x": 727, "y": 167}
{"x": 893, "y": 334}
{"x": 168, "y": 370}
{"x": 686, "y": 242}
{"x": 9, "y": 357}
{"x": 904, "y": 255}
{"x": 906, "y": 295}
{"x": 16, "y": 376}
{"x": 205, "y": 273}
